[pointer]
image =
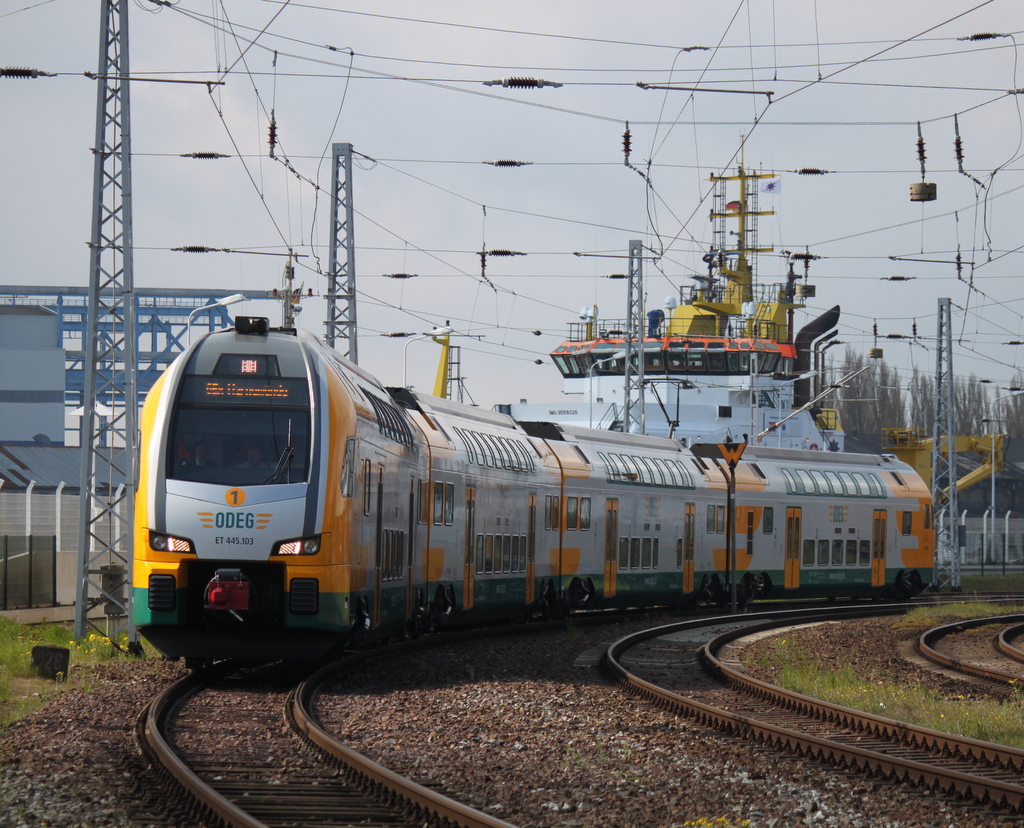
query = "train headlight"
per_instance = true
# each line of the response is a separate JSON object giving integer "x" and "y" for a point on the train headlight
{"x": 168, "y": 543}
{"x": 298, "y": 546}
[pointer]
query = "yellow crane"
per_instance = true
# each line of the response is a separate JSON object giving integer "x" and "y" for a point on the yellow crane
{"x": 910, "y": 445}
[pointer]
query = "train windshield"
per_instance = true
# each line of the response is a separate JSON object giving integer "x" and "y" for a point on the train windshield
{"x": 240, "y": 432}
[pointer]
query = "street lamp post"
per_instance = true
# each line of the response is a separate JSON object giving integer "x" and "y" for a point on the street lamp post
{"x": 405, "y": 351}
{"x": 227, "y": 300}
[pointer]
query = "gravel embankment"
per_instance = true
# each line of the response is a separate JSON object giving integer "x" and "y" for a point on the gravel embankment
{"x": 515, "y": 725}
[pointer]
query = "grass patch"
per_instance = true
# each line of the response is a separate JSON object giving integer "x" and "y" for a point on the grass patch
{"x": 991, "y": 721}
{"x": 22, "y": 690}
{"x": 993, "y": 582}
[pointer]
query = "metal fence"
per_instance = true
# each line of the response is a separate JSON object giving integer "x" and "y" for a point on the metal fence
{"x": 28, "y": 571}
{"x": 26, "y": 515}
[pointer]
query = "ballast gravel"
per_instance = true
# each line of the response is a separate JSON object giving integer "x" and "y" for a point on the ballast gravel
{"x": 526, "y": 728}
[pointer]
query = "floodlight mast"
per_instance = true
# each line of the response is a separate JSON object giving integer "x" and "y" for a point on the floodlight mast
{"x": 108, "y": 443}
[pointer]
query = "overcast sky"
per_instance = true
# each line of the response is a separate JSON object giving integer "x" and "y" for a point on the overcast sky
{"x": 404, "y": 83}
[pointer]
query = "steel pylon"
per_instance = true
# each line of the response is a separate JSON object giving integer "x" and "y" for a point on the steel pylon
{"x": 110, "y": 408}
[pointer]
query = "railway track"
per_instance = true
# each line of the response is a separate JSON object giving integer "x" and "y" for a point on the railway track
{"x": 243, "y": 749}
{"x": 1003, "y": 663}
{"x": 979, "y": 772}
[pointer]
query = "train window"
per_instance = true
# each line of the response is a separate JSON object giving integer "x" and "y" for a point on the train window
{"x": 822, "y": 553}
{"x": 506, "y": 553}
{"x": 572, "y": 513}
{"x": 928, "y": 514}
{"x": 837, "y": 552}
{"x": 645, "y": 554}
{"x": 808, "y": 552}
{"x": 489, "y": 554}
{"x": 658, "y": 472}
{"x": 515, "y": 553}
{"x": 367, "y": 487}
{"x": 552, "y": 512}
{"x": 790, "y": 482}
{"x": 907, "y": 523}
{"x": 864, "y": 550}
{"x": 679, "y": 553}
{"x": 876, "y": 485}
{"x": 654, "y": 553}
{"x": 424, "y": 510}
{"x": 634, "y": 553}
{"x": 438, "y": 503}
{"x": 584, "y": 513}
{"x": 720, "y": 522}
{"x": 449, "y": 504}
{"x": 804, "y": 482}
{"x": 348, "y": 469}
{"x": 479, "y": 554}
{"x": 623, "y": 553}
{"x": 768, "y": 520}
{"x": 711, "y": 519}
{"x": 468, "y": 443}
{"x": 848, "y": 483}
{"x": 820, "y": 483}
{"x": 862, "y": 484}
{"x": 851, "y": 552}
{"x": 836, "y": 483}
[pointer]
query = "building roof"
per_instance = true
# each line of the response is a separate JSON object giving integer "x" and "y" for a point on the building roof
{"x": 48, "y": 466}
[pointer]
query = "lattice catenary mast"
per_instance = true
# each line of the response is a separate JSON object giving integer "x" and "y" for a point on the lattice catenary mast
{"x": 109, "y": 410}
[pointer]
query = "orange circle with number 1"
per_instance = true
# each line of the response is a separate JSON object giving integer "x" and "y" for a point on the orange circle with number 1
{"x": 235, "y": 497}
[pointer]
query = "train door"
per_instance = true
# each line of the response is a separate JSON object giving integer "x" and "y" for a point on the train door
{"x": 793, "y": 531}
{"x": 689, "y": 534}
{"x": 470, "y": 545}
{"x": 611, "y": 535}
{"x": 878, "y": 535}
{"x": 531, "y": 546}
{"x": 378, "y": 547}
{"x": 410, "y": 546}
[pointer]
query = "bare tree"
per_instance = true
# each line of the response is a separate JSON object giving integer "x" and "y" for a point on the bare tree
{"x": 873, "y": 400}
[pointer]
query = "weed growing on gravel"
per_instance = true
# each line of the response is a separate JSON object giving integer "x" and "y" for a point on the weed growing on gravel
{"x": 21, "y": 690}
{"x": 988, "y": 720}
{"x": 947, "y": 613}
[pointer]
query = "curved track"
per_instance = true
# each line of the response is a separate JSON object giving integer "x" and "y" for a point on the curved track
{"x": 235, "y": 748}
{"x": 1001, "y": 644}
{"x": 968, "y": 769}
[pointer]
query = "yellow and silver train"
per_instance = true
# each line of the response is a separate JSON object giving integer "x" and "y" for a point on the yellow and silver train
{"x": 288, "y": 503}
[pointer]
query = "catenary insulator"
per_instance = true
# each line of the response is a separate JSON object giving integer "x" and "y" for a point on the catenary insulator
{"x": 812, "y": 171}
{"x": 982, "y": 36}
{"x": 19, "y": 72}
{"x": 199, "y": 248}
{"x": 204, "y": 155}
{"x": 503, "y": 252}
{"x": 508, "y": 163}
{"x": 626, "y": 143}
{"x": 400, "y": 275}
{"x": 272, "y": 138}
{"x": 522, "y": 83}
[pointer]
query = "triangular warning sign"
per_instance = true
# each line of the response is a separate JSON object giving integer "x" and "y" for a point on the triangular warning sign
{"x": 732, "y": 452}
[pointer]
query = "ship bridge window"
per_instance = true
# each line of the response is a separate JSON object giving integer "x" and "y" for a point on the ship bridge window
{"x": 695, "y": 360}
{"x": 716, "y": 362}
{"x": 738, "y": 362}
{"x": 654, "y": 359}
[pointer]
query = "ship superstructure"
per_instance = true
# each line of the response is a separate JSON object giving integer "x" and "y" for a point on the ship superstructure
{"x": 719, "y": 361}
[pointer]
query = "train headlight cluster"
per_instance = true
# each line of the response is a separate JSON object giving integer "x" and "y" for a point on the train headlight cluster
{"x": 168, "y": 543}
{"x": 299, "y": 546}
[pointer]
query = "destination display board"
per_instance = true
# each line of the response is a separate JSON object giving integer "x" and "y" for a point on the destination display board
{"x": 263, "y": 391}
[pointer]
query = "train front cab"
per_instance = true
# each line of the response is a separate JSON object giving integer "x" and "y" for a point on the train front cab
{"x": 231, "y": 559}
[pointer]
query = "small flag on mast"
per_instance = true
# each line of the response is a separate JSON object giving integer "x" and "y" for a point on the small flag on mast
{"x": 772, "y": 185}
{"x": 733, "y": 206}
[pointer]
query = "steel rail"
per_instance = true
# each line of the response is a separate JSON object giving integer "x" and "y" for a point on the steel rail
{"x": 1005, "y": 647}
{"x": 165, "y": 760}
{"x": 372, "y": 774}
{"x": 964, "y": 785}
{"x": 928, "y": 638}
